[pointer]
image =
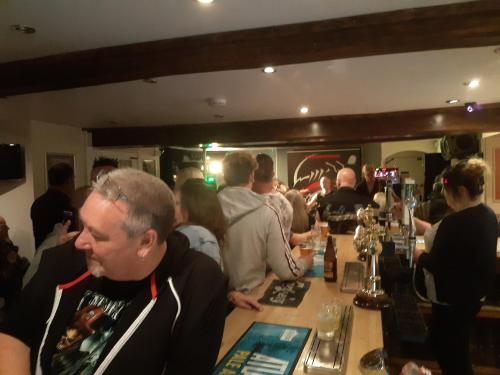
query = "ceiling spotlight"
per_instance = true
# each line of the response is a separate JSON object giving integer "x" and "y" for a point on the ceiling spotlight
{"x": 452, "y": 101}
{"x": 470, "y": 107}
{"x": 472, "y": 84}
{"x": 304, "y": 110}
{"x": 150, "y": 80}
{"x": 25, "y": 29}
{"x": 268, "y": 70}
{"x": 205, "y": 1}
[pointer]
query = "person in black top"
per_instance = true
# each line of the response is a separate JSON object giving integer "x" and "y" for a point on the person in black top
{"x": 127, "y": 296}
{"x": 369, "y": 186}
{"x": 341, "y": 207}
{"x": 12, "y": 266}
{"x": 460, "y": 267}
{"x": 48, "y": 209}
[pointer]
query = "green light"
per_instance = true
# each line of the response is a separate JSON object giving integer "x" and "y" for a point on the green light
{"x": 210, "y": 180}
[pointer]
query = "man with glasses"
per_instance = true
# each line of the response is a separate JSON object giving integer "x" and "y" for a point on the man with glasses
{"x": 132, "y": 299}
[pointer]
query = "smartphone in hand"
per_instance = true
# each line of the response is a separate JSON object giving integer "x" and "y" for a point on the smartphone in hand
{"x": 66, "y": 215}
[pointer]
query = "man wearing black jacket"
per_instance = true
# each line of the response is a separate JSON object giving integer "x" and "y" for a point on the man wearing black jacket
{"x": 127, "y": 296}
{"x": 341, "y": 206}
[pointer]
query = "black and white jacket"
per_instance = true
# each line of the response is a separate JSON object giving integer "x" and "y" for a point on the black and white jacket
{"x": 173, "y": 325}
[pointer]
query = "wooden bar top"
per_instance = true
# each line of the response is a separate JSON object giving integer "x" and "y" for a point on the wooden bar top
{"x": 367, "y": 324}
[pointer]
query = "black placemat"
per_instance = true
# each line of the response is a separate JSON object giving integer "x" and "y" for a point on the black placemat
{"x": 285, "y": 293}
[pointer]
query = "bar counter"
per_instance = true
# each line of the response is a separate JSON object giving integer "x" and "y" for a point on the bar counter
{"x": 366, "y": 328}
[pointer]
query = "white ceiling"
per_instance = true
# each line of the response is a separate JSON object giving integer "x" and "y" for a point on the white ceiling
{"x": 347, "y": 86}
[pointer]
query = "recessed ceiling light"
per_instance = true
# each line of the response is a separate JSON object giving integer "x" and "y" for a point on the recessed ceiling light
{"x": 268, "y": 70}
{"x": 150, "y": 80}
{"x": 452, "y": 101}
{"x": 206, "y": 1}
{"x": 304, "y": 110}
{"x": 23, "y": 29}
{"x": 472, "y": 84}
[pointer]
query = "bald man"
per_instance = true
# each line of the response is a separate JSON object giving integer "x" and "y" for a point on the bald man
{"x": 369, "y": 185}
{"x": 341, "y": 207}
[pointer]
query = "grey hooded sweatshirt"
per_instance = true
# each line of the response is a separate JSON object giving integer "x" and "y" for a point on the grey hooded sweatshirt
{"x": 254, "y": 240}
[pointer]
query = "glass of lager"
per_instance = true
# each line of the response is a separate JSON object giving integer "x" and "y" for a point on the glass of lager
{"x": 328, "y": 320}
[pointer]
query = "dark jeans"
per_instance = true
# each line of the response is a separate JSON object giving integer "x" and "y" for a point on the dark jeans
{"x": 449, "y": 337}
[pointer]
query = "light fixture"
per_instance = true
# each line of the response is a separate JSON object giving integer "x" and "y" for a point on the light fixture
{"x": 268, "y": 70}
{"x": 304, "y": 110}
{"x": 470, "y": 107}
{"x": 472, "y": 84}
{"x": 25, "y": 29}
{"x": 215, "y": 167}
{"x": 452, "y": 101}
{"x": 205, "y": 1}
{"x": 150, "y": 80}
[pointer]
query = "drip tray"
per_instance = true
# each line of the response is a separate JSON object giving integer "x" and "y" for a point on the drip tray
{"x": 330, "y": 357}
{"x": 353, "y": 277}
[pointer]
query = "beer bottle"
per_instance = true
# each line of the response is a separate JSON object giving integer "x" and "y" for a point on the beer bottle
{"x": 330, "y": 261}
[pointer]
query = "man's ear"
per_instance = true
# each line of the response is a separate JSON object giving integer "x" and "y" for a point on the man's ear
{"x": 148, "y": 242}
{"x": 252, "y": 178}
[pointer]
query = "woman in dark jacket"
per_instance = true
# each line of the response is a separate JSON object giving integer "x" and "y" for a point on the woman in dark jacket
{"x": 460, "y": 267}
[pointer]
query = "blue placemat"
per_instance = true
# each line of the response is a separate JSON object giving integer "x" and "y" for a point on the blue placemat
{"x": 318, "y": 268}
{"x": 265, "y": 349}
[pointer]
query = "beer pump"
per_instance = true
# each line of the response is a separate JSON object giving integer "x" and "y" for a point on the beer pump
{"x": 408, "y": 229}
{"x": 366, "y": 240}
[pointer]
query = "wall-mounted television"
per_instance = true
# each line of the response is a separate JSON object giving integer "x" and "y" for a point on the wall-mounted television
{"x": 11, "y": 162}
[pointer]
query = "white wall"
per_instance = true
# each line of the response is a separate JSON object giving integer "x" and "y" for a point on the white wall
{"x": 424, "y": 145}
{"x": 16, "y": 196}
{"x": 51, "y": 138}
{"x": 135, "y": 154}
{"x": 489, "y": 146}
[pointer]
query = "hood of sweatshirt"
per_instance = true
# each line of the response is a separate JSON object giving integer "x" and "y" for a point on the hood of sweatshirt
{"x": 238, "y": 201}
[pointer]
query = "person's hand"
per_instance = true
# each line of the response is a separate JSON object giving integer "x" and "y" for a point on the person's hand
{"x": 245, "y": 302}
{"x": 309, "y": 259}
{"x": 417, "y": 254}
{"x": 397, "y": 211}
{"x": 63, "y": 236}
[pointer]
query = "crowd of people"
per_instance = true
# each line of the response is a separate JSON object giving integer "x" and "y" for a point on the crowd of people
{"x": 128, "y": 262}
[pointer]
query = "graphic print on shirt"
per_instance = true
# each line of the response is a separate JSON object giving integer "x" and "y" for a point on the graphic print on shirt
{"x": 80, "y": 346}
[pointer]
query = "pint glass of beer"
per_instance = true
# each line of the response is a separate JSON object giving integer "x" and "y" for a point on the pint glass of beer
{"x": 325, "y": 231}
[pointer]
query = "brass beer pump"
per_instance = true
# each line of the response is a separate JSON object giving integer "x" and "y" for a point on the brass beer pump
{"x": 366, "y": 241}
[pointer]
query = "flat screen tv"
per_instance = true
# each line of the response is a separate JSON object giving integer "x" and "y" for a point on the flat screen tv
{"x": 11, "y": 162}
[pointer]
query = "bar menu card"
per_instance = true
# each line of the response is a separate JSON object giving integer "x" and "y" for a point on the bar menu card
{"x": 265, "y": 349}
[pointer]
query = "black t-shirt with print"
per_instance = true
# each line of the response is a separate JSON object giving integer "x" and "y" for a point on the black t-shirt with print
{"x": 84, "y": 338}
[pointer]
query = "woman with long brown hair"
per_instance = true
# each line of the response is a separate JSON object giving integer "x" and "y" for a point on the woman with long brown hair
{"x": 199, "y": 217}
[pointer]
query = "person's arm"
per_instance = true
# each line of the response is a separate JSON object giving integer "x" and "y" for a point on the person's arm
{"x": 197, "y": 335}
{"x": 298, "y": 238}
{"x": 14, "y": 356}
{"x": 278, "y": 254}
{"x": 244, "y": 301}
{"x": 421, "y": 226}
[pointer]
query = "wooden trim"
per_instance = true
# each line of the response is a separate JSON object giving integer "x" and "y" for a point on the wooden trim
{"x": 379, "y": 127}
{"x": 470, "y": 24}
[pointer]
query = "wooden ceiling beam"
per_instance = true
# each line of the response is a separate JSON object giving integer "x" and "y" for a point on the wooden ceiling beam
{"x": 470, "y": 24}
{"x": 366, "y": 128}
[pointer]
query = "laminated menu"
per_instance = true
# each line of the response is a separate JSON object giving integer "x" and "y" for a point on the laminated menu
{"x": 265, "y": 349}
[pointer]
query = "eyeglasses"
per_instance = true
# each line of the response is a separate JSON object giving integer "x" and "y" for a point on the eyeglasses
{"x": 110, "y": 188}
